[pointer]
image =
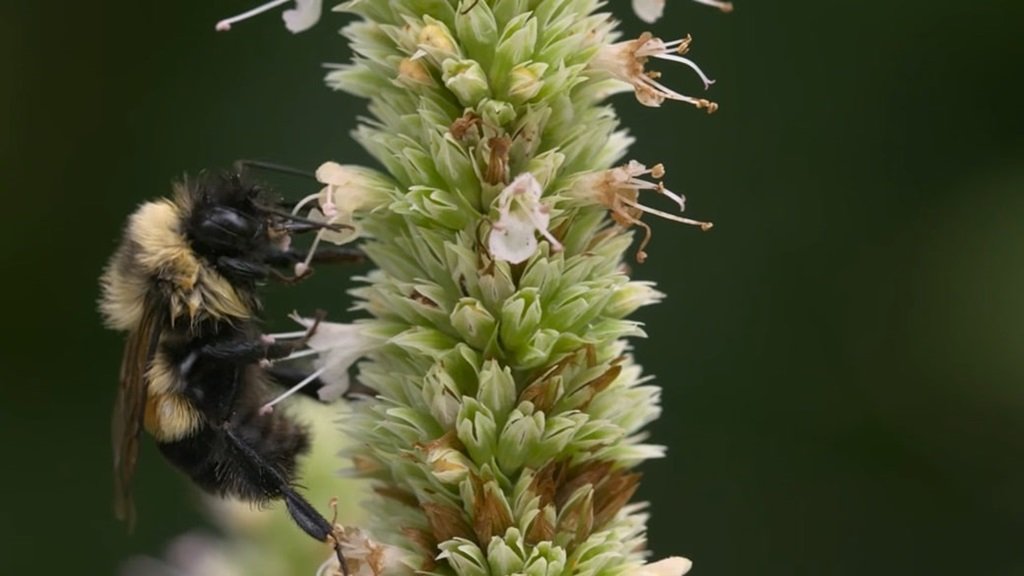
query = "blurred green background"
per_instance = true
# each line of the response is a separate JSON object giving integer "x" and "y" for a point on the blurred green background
{"x": 841, "y": 356}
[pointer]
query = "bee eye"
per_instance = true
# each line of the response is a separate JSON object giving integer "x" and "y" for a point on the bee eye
{"x": 224, "y": 230}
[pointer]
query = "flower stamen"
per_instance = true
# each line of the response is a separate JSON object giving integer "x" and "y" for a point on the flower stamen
{"x": 626, "y": 61}
{"x": 225, "y": 24}
{"x": 673, "y": 51}
{"x": 269, "y": 406}
{"x": 299, "y": 19}
{"x": 619, "y": 189}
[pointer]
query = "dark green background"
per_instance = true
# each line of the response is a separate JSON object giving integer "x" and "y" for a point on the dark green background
{"x": 841, "y": 356}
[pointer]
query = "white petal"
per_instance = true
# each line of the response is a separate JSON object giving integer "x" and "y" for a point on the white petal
{"x": 649, "y": 10}
{"x": 671, "y": 566}
{"x": 521, "y": 216}
{"x": 332, "y": 173}
{"x": 333, "y": 389}
{"x": 333, "y": 335}
{"x": 512, "y": 239}
{"x": 304, "y": 16}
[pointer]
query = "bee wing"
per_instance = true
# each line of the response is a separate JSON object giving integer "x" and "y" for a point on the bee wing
{"x": 130, "y": 407}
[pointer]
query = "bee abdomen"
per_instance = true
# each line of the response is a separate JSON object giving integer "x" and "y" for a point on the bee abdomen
{"x": 214, "y": 462}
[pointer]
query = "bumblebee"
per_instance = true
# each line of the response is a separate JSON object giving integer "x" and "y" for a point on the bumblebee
{"x": 183, "y": 285}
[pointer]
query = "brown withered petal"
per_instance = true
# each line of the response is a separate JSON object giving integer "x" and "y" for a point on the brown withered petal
{"x": 577, "y": 519}
{"x": 541, "y": 529}
{"x": 612, "y": 494}
{"x": 545, "y": 482}
{"x": 395, "y": 493}
{"x": 449, "y": 439}
{"x": 446, "y": 522}
{"x": 542, "y": 393}
{"x": 586, "y": 393}
{"x": 491, "y": 516}
{"x": 590, "y": 473}
{"x": 365, "y": 465}
{"x": 425, "y": 541}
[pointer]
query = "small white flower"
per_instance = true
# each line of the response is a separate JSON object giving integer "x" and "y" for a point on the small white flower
{"x": 618, "y": 190}
{"x": 338, "y": 347}
{"x": 671, "y": 566}
{"x": 626, "y": 60}
{"x": 520, "y": 215}
{"x": 348, "y": 190}
{"x": 651, "y": 10}
{"x": 304, "y": 16}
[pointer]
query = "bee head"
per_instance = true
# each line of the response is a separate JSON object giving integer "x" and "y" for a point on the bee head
{"x": 227, "y": 217}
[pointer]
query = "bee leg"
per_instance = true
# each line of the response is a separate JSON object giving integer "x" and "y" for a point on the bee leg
{"x": 302, "y": 512}
{"x": 239, "y": 270}
{"x": 291, "y": 279}
{"x": 251, "y": 351}
{"x": 325, "y": 255}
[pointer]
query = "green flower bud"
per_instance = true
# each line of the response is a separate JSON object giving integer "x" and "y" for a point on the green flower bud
{"x": 465, "y": 557}
{"x": 516, "y": 45}
{"x": 519, "y": 438}
{"x": 497, "y": 389}
{"x": 477, "y": 29}
{"x": 477, "y": 430}
{"x": 505, "y": 555}
{"x": 520, "y": 318}
{"x": 473, "y": 322}
{"x": 467, "y": 80}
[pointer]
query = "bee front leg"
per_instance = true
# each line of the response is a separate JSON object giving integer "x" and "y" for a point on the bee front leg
{"x": 324, "y": 255}
{"x": 239, "y": 270}
{"x": 254, "y": 350}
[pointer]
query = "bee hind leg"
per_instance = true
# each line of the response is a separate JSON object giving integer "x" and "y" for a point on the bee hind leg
{"x": 302, "y": 512}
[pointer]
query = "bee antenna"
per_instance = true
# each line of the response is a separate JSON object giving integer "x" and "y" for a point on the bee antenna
{"x": 243, "y": 164}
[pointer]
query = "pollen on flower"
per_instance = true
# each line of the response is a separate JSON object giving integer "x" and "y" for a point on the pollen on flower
{"x": 436, "y": 37}
{"x": 626, "y": 61}
{"x": 304, "y": 16}
{"x": 520, "y": 215}
{"x": 413, "y": 71}
{"x": 618, "y": 190}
